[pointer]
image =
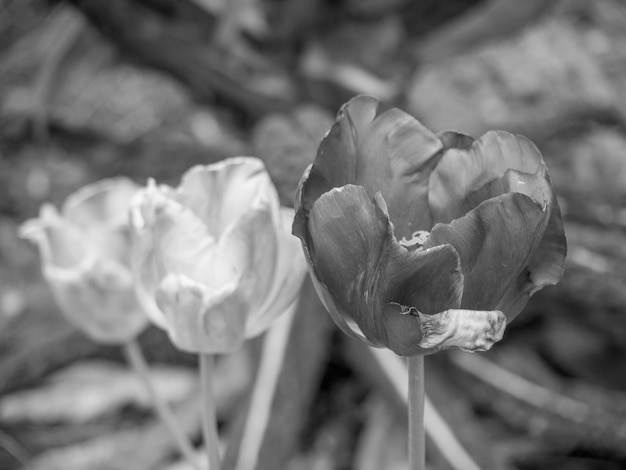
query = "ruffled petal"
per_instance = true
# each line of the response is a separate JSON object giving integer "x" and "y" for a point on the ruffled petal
{"x": 458, "y": 182}
{"x": 289, "y": 273}
{"x": 495, "y": 242}
{"x": 200, "y": 319}
{"x": 221, "y": 193}
{"x": 389, "y": 153}
{"x": 358, "y": 260}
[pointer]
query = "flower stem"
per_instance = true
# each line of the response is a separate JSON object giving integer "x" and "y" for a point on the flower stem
{"x": 273, "y": 355}
{"x": 209, "y": 418}
{"x": 137, "y": 361}
{"x": 417, "y": 445}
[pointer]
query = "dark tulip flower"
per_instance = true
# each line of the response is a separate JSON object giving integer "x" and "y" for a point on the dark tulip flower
{"x": 418, "y": 242}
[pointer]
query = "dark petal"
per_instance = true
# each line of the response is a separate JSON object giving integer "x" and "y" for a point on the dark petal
{"x": 534, "y": 186}
{"x": 495, "y": 242}
{"x": 386, "y": 153}
{"x": 336, "y": 159}
{"x": 545, "y": 267}
{"x": 363, "y": 268}
{"x": 460, "y": 172}
{"x": 396, "y": 158}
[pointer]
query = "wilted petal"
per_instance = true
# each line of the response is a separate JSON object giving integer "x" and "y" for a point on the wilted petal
{"x": 200, "y": 319}
{"x": 495, "y": 242}
{"x": 221, "y": 193}
{"x": 470, "y": 330}
{"x": 289, "y": 273}
{"x": 356, "y": 257}
{"x": 461, "y": 174}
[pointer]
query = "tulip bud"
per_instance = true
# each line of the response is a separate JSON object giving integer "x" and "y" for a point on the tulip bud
{"x": 418, "y": 242}
{"x": 85, "y": 259}
{"x": 214, "y": 259}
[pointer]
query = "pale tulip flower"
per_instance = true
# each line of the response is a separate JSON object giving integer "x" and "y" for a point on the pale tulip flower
{"x": 85, "y": 253}
{"x": 214, "y": 259}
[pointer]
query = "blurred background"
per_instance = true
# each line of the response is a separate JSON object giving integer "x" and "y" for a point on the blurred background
{"x": 91, "y": 89}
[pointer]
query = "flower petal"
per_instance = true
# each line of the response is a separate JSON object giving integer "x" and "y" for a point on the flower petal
{"x": 100, "y": 211}
{"x": 456, "y": 182}
{"x": 289, "y": 273}
{"x": 181, "y": 243}
{"x": 495, "y": 242}
{"x": 104, "y": 202}
{"x": 247, "y": 253}
{"x": 221, "y": 193}
{"x": 544, "y": 268}
{"x": 99, "y": 299}
{"x": 455, "y": 140}
{"x": 60, "y": 243}
{"x": 358, "y": 260}
{"x": 200, "y": 319}
{"x": 389, "y": 153}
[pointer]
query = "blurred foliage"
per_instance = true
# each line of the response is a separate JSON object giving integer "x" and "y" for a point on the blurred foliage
{"x": 91, "y": 89}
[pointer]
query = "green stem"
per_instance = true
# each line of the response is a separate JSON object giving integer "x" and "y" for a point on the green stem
{"x": 137, "y": 361}
{"x": 272, "y": 359}
{"x": 417, "y": 444}
{"x": 209, "y": 418}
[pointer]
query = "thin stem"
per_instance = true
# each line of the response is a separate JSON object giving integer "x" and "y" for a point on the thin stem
{"x": 209, "y": 418}
{"x": 436, "y": 427}
{"x": 274, "y": 347}
{"x": 137, "y": 361}
{"x": 417, "y": 445}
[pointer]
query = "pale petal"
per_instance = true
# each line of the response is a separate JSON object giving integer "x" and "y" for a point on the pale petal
{"x": 99, "y": 299}
{"x": 221, "y": 193}
{"x": 247, "y": 254}
{"x": 61, "y": 244}
{"x": 200, "y": 319}
{"x": 470, "y": 330}
{"x": 289, "y": 273}
{"x": 100, "y": 211}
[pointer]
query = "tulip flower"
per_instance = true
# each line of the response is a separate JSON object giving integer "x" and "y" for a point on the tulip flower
{"x": 85, "y": 251}
{"x": 418, "y": 242}
{"x": 215, "y": 261}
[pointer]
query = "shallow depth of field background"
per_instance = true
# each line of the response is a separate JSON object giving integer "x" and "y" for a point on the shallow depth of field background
{"x": 147, "y": 88}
